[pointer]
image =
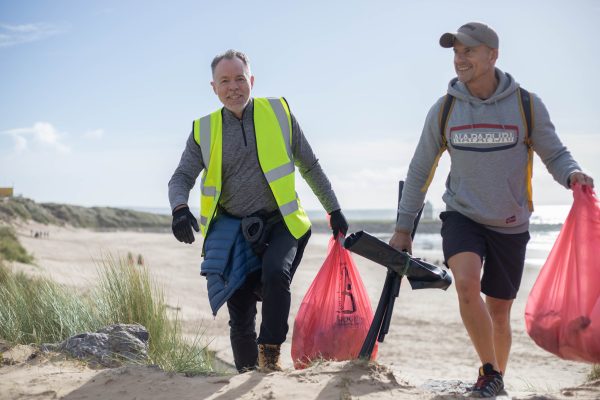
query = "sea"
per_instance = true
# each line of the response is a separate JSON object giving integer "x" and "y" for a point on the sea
{"x": 545, "y": 222}
{"x": 543, "y": 214}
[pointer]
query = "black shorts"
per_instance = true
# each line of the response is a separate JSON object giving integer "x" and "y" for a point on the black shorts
{"x": 502, "y": 255}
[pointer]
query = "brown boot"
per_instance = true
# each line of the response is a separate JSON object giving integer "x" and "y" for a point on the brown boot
{"x": 268, "y": 357}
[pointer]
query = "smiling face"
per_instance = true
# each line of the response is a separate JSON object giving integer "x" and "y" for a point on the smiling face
{"x": 232, "y": 83}
{"x": 474, "y": 65}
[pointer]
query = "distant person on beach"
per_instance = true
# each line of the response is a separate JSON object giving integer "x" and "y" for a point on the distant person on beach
{"x": 488, "y": 193}
{"x": 248, "y": 150}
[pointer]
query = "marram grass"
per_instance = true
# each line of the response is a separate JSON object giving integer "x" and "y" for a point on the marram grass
{"x": 127, "y": 294}
{"x": 38, "y": 310}
{"x": 10, "y": 248}
{"x": 594, "y": 373}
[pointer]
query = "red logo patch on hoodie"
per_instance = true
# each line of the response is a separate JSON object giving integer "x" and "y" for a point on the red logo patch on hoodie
{"x": 510, "y": 220}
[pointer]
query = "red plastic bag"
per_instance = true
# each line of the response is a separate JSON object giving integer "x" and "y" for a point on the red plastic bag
{"x": 335, "y": 314}
{"x": 563, "y": 309}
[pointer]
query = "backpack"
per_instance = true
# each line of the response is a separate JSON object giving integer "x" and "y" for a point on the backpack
{"x": 526, "y": 107}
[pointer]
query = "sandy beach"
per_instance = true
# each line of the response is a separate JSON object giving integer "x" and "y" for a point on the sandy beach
{"x": 425, "y": 354}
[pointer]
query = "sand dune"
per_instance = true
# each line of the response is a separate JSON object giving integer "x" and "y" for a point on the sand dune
{"x": 427, "y": 353}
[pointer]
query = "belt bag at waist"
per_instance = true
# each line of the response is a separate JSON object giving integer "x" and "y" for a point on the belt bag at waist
{"x": 257, "y": 227}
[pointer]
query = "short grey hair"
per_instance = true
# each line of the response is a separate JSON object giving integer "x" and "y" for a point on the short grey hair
{"x": 230, "y": 55}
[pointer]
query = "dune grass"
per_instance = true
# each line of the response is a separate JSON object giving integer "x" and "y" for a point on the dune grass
{"x": 127, "y": 294}
{"x": 10, "y": 248}
{"x": 37, "y": 310}
{"x": 19, "y": 208}
{"x": 594, "y": 373}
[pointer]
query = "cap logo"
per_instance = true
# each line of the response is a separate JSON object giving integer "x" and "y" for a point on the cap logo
{"x": 468, "y": 26}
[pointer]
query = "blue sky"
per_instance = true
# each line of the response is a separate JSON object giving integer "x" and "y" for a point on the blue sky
{"x": 97, "y": 98}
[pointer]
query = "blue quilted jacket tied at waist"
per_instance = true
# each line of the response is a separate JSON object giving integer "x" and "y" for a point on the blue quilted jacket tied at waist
{"x": 228, "y": 259}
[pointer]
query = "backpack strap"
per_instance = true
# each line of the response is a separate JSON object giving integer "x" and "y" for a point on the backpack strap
{"x": 445, "y": 111}
{"x": 443, "y": 115}
{"x": 526, "y": 106}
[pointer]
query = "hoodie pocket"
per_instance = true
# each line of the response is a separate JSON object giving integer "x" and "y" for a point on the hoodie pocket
{"x": 488, "y": 202}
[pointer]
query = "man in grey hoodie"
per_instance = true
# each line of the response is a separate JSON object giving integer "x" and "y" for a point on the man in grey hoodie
{"x": 248, "y": 150}
{"x": 488, "y": 194}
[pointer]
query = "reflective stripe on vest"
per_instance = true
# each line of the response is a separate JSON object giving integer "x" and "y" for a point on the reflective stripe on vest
{"x": 273, "y": 131}
{"x": 207, "y": 133}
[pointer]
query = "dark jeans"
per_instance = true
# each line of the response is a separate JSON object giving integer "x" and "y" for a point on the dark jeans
{"x": 272, "y": 284}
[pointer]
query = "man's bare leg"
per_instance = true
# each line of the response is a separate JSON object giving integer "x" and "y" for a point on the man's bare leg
{"x": 499, "y": 310}
{"x": 466, "y": 269}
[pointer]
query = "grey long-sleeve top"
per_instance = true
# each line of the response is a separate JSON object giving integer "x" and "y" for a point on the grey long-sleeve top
{"x": 244, "y": 187}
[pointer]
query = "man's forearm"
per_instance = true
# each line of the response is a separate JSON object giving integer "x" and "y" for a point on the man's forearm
{"x": 321, "y": 187}
{"x": 184, "y": 177}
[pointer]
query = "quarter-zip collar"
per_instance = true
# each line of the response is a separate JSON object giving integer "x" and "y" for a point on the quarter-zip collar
{"x": 231, "y": 118}
{"x": 247, "y": 111}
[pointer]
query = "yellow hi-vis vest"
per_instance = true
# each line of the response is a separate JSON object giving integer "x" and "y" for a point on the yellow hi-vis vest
{"x": 273, "y": 130}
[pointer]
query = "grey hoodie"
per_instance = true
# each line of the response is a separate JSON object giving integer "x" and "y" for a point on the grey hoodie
{"x": 487, "y": 180}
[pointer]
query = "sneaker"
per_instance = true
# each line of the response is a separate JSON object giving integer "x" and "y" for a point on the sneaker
{"x": 489, "y": 383}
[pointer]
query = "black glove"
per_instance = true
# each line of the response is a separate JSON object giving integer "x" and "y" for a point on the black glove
{"x": 183, "y": 221}
{"x": 338, "y": 223}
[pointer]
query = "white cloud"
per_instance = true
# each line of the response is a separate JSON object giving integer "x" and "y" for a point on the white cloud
{"x": 94, "y": 134}
{"x": 363, "y": 173}
{"x": 42, "y": 134}
{"x": 12, "y": 35}
{"x": 20, "y": 144}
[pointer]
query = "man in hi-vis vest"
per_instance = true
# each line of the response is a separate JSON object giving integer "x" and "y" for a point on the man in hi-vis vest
{"x": 247, "y": 151}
